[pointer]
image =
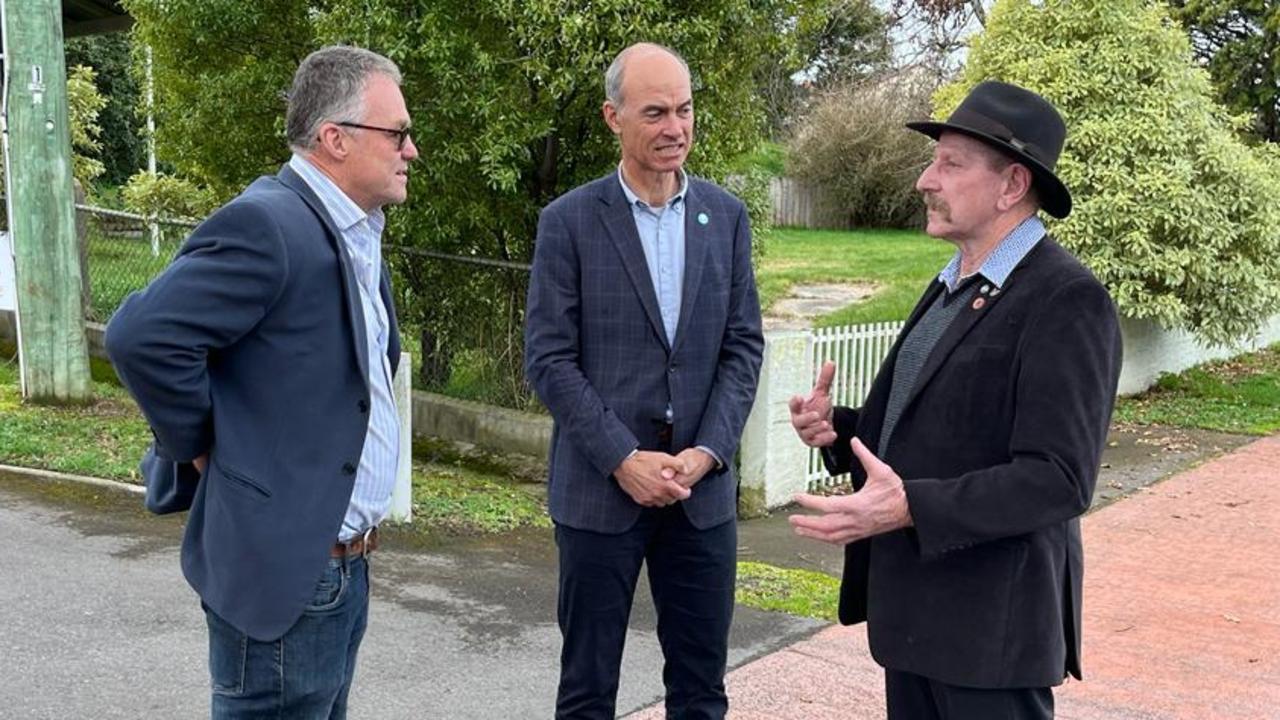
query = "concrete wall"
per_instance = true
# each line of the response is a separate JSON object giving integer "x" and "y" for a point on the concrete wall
{"x": 1150, "y": 351}
{"x": 490, "y": 427}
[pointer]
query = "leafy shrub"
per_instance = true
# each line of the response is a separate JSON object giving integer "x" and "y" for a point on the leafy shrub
{"x": 852, "y": 148}
{"x": 166, "y": 196}
{"x": 1173, "y": 211}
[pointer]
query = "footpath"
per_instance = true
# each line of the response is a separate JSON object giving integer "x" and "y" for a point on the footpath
{"x": 1181, "y": 613}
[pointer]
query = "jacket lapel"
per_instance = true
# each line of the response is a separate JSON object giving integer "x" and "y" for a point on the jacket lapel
{"x": 970, "y": 315}
{"x": 620, "y": 225}
{"x": 350, "y": 292}
{"x": 696, "y": 239}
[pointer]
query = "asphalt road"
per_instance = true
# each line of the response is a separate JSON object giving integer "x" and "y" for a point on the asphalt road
{"x": 97, "y": 622}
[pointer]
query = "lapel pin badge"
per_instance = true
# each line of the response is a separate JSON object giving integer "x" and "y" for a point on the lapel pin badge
{"x": 978, "y": 303}
{"x": 703, "y": 219}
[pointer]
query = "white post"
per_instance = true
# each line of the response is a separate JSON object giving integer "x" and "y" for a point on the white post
{"x": 774, "y": 461}
{"x": 402, "y": 493}
{"x": 151, "y": 149}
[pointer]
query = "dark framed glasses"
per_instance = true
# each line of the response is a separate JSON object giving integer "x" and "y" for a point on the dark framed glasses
{"x": 401, "y": 134}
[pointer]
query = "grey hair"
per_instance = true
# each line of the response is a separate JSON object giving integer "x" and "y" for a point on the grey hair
{"x": 329, "y": 87}
{"x": 613, "y": 76}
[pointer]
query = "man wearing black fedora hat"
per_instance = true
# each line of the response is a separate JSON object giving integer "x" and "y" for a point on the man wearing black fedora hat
{"x": 978, "y": 446}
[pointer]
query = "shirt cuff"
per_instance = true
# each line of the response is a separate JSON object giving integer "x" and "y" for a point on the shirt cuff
{"x": 712, "y": 453}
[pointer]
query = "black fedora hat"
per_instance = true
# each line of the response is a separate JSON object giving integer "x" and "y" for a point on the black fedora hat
{"x": 1018, "y": 123}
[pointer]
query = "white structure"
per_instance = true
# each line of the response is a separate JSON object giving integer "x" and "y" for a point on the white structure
{"x": 402, "y": 493}
{"x": 1150, "y": 351}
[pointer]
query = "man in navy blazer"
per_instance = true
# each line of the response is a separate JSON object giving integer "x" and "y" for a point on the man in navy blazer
{"x": 263, "y": 356}
{"x": 978, "y": 446}
{"x": 643, "y": 339}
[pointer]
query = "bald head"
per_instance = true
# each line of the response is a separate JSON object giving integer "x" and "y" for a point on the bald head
{"x": 649, "y": 56}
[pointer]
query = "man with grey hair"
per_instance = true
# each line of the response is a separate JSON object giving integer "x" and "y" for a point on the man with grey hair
{"x": 643, "y": 339}
{"x": 262, "y": 358}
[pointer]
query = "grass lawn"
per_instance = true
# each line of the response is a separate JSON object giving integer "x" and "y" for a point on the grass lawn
{"x": 107, "y": 438}
{"x": 900, "y": 262}
{"x": 1241, "y": 395}
{"x": 806, "y": 593}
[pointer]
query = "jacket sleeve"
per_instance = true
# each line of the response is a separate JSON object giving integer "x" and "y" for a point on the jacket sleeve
{"x": 741, "y": 352}
{"x": 838, "y": 456}
{"x": 1064, "y": 392}
{"x": 227, "y": 275}
{"x": 553, "y": 353}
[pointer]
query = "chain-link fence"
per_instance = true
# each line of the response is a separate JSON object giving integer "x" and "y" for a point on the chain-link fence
{"x": 121, "y": 252}
{"x": 463, "y": 316}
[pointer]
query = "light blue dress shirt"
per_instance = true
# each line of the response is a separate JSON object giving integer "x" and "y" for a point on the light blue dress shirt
{"x": 661, "y": 231}
{"x": 1003, "y": 259}
{"x": 362, "y": 235}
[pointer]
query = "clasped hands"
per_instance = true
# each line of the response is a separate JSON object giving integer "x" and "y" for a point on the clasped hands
{"x": 880, "y": 506}
{"x": 657, "y": 479}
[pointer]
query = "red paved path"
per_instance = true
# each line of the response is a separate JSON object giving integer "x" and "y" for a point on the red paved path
{"x": 1181, "y": 615}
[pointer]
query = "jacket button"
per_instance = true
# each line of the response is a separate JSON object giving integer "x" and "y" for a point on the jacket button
{"x": 363, "y": 405}
{"x": 348, "y": 469}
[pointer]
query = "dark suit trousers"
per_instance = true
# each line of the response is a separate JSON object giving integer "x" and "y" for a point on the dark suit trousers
{"x": 915, "y": 697}
{"x": 691, "y": 575}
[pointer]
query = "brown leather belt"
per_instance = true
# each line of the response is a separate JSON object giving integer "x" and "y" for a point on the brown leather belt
{"x": 359, "y": 545}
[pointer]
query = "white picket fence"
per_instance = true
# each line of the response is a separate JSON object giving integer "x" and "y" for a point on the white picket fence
{"x": 857, "y": 351}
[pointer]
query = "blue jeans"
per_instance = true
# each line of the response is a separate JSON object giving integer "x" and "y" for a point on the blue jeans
{"x": 305, "y": 674}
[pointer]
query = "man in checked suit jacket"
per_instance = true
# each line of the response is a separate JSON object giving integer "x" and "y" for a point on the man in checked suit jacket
{"x": 978, "y": 446}
{"x": 263, "y": 357}
{"x": 643, "y": 339}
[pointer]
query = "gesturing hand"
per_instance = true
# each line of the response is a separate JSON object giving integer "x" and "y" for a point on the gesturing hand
{"x": 879, "y": 507}
{"x": 650, "y": 478}
{"x": 811, "y": 415}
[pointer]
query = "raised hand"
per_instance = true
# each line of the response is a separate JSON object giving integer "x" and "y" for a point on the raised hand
{"x": 811, "y": 414}
{"x": 879, "y": 507}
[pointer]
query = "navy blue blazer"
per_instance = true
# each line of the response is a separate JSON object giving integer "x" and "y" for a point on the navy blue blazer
{"x": 598, "y": 356}
{"x": 998, "y": 447}
{"x": 250, "y": 347}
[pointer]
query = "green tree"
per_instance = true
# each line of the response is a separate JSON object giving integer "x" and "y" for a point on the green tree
{"x": 505, "y": 97}
{"x": 827, "y": 43}
{"x": 123, "y": 136}
{"x": 1173, "y": 212}
{"x": 1239, "y": 42}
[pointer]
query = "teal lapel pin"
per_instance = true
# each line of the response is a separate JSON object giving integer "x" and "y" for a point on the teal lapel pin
{"x": 703, "y": 219}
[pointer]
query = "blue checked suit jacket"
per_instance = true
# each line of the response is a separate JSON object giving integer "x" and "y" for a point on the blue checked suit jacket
{"x": 598, "y": 357}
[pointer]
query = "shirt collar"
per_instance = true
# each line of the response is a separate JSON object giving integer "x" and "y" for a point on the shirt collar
{"x": 345, "y": 213}
{"x": 632, "y": 199}
{"x": 1001, "y": 262}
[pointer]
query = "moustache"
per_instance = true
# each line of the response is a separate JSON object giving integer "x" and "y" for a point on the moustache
{"x": 933, "y": 202}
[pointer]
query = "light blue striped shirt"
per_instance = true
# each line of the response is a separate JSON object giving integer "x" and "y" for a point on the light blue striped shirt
{"x": 1001, "y": 262}
{"x": 362, "y": 235}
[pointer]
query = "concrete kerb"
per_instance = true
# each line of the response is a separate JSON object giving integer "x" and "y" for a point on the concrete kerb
{"x": 51, "y": 476}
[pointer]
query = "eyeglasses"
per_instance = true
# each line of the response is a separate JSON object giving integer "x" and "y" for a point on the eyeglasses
{"x": 401, "y": 134}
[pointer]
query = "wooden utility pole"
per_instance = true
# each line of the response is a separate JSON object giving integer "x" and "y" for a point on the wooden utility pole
{"x": 55, "y": 359}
